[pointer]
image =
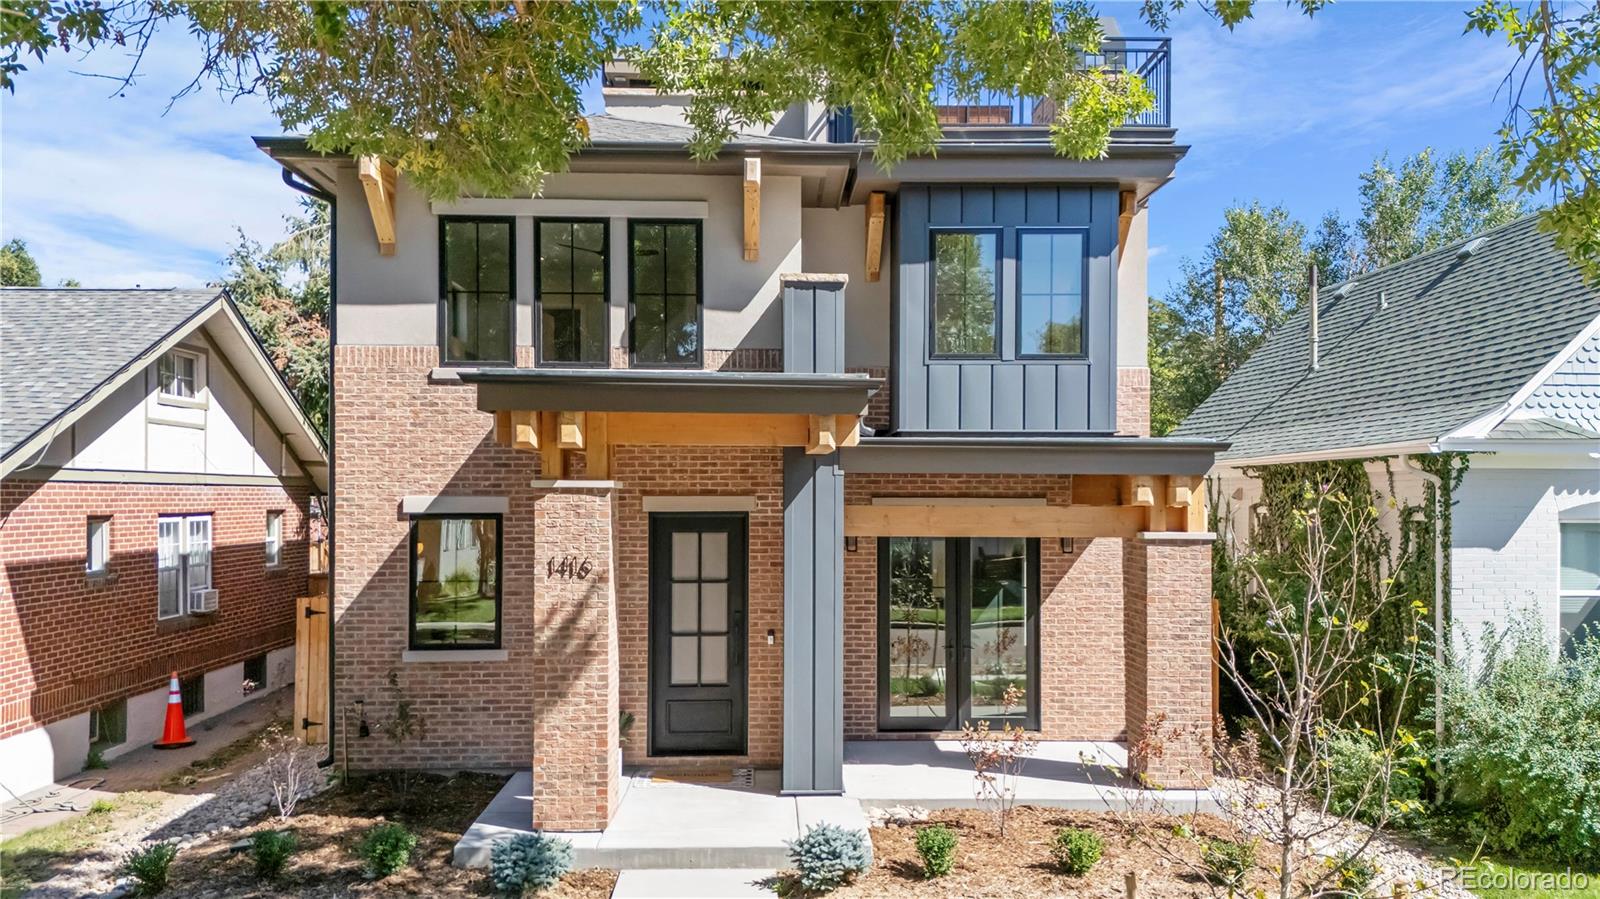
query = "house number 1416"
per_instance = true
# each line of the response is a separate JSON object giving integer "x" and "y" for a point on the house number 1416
{"x": 569, "y": 567}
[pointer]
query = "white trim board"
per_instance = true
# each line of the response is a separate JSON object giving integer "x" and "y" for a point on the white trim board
{"x": 455, "y": 505}
{"x": 1483, "y": 424}
{"x": 531, "y": 206}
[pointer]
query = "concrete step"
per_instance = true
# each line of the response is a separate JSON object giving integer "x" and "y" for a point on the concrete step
{"x": 705, "y": 883}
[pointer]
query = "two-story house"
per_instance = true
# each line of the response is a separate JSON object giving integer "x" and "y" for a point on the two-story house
{"x": 769, "y": 452}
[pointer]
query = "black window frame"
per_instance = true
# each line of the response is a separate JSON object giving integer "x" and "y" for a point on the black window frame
{"x": 605, "y": 290}
{"x": 411, "y": 582}
{"x": 700, "y": 292}
{"x": 958, "y": 587}
{"x": 999, "y": 234}
{"x": 443, "y": 314}
{"x": 1083, "y": 299}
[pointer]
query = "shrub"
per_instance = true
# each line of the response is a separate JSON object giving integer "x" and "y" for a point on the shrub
{"x": 529, "y": 861}
{"x": 95, "y": 759}
{"x": 937, "y": 846}
{"x": 1354, "y": 876}
{"x": 1355, "y": 774}
{"x": 102, "y": 807}
{"x": 270, "y": 850}
{"x": 828, "y": 857}
{"x": 148, "y": 867}
{"x": 1228, "y": 863}
{"x": 1523, "y": 760}
{"x": 386, "y": 849}
{"x": 1075, "y": 850}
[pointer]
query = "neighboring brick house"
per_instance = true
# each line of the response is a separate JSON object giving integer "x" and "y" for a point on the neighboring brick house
{"x": 153, "y": 517}
{"x": 1490, "y": 347}
{"x": 768, "y": 452}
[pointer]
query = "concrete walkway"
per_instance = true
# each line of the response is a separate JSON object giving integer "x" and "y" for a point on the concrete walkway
{"x": 700, "y": 883}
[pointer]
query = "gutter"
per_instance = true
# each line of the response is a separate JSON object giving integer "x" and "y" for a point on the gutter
{"x": 327, "y": 506}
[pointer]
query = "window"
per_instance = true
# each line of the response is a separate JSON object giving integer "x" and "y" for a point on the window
{"x": 573, "y": 264}
{"x": 255, "y": 673}
{"x": 108, "y": 725}
{"x": 97, "y": 555}
{"x": 1050, "y": 298}
{"x": 455, "y": 582}
{"x": 478, "y": 298}
{"x": 966, "y": 292}
{"x": 194, "y": 694}
{"x": 183, "y": 563}
{"x": 274, "y": 539}
{"x": 1580, "y": 582}
{"x": 664, "y": 293}
{"x": 178, "y": 375}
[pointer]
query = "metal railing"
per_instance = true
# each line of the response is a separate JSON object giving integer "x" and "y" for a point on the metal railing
{"x": 1148, "y": 59}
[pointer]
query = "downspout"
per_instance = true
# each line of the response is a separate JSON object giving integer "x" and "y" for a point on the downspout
{"x": 1438, "y": 597}
{"x": 327, "y": 506}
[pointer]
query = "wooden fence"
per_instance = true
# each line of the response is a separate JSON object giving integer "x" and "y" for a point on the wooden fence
{"x": 312, "y": 623}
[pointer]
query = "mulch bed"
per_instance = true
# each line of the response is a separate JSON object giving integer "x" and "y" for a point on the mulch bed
{"x": 436, "y": 808}
{"x": 1020, "y": 866}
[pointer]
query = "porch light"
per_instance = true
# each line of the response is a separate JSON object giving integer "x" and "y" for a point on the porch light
{"x": 1067, "y": 546}
{"x": 849, "y": 544}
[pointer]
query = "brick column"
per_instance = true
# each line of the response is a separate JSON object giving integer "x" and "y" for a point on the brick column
{"x": 575, "y": 754}
{"x": 1167, "y": 654}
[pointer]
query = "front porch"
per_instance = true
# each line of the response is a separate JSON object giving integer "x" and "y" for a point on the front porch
{"x": 739, "y": 818}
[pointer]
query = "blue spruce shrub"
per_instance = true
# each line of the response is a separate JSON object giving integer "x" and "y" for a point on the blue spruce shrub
{"x": 828, "y": 857}
{"x": 529, "y": 861}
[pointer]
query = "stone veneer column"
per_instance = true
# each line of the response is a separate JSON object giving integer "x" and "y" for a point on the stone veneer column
{"x": 1168, "y": 643}
{"x": 575, "y": 753}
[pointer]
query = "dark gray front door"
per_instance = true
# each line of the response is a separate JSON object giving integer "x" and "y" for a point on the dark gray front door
{"x": 697, "y": 633}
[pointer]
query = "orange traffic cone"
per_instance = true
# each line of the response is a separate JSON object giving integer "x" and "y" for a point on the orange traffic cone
{"x": 173, "y": 736}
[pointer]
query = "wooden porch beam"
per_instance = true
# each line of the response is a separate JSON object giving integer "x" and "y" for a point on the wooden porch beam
{"x": 821, "y": 437}
{"x": 875, "y": 216}
{"x": 1129, "y": 207}
{"x": 502, "y": 428}
{"x": 708, "y": 429}
{"x": 552, "y": 458}
{"x": 378, "y": 180}
{"x": 968, "y": 520}
{"x": 525, "y": 431}
{"x": 571, "y": 427}
{"x": 752, "y": 209}
{"x": 597, "y": 454}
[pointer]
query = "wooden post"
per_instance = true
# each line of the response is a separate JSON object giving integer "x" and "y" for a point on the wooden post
{"x": 875, "y": 216}
{"x": 551, "y": 455}
{"x": 597, "y": 452}
{"x": 378, "y": 180}
{"x": 752, "y": 209}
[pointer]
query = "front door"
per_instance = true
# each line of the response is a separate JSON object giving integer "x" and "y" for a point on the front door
{"x": 697, "y": 634}
{"x": 958, "y": 632}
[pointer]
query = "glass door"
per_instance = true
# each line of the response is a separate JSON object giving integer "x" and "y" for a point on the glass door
{"x": 958, "y": 632}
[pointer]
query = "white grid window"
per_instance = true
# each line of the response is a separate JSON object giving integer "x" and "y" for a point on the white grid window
{"x": 183, "y": 563}
{"x": 274, "y": 539}
{"x": 1580, "y": 581}
{"x": 178, "y": 374}
{"x": 97, "y": 554}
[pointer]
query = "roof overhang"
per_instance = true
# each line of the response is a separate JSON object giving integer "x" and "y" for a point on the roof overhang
{"x": 1420, "y": 446}
{"x": 1031, "y": 455}
{"x": 637, "y": 390}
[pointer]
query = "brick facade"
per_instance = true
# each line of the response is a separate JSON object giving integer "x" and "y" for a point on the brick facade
{"x": 70, "y": 642}
{"x": 1133, "y": 401}
{"x": 1167, "y": 617}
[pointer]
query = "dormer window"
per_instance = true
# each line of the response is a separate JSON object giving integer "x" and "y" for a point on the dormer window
{"x": 178, "y": 375}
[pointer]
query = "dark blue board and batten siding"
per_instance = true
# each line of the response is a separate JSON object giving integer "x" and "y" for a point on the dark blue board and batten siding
{"x": 1004, "y": 393}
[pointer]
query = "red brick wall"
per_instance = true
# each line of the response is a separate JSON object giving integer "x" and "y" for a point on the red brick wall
{"x": 69, "y": 643}
{"x": 1168, "y": 626}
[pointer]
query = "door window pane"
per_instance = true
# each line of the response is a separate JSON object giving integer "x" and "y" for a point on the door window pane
{"x": 573, "y": 261}
{"x": 685, "y": 661}
{"x": 665, "y": 292}
{"x": 713, "y": 660}
{"x": 685, "y": 608}
{"x": 964, "y": 308}
{"x": 714, "y": 607}
{"x": 999, "y": 626}
{"x": 685, "y": 555}
{"x": 478, "y": 295}
{"x": 714, "y": 555}
{"x": 455, "y": 567}
{"x": 1050, "y": 308}
{"x": 917, "y": 631}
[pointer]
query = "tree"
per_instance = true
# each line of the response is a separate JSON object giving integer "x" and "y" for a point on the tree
{"x": 17, "y": 266}
{"x": 1551, "y": 135}
{"x": 1422, "y": 206}
{"x": 283, "y": 292}
{"x": 485, "y": 95}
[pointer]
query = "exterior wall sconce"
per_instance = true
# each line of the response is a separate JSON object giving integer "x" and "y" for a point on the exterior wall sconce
{"x": 850, "y": 544}
{"x": 1067, "y": 546}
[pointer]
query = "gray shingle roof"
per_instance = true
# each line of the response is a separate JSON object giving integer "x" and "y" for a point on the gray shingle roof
{"x": 610, "y": 129}
{"x": 1459, "y": 337}
{"x": 56, "y": 346}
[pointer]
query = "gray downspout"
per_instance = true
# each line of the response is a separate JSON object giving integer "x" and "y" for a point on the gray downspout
{"x": 327, "y": 506}
{"x": 1438, "y": 597}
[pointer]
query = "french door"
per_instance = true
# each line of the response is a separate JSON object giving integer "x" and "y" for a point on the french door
{"x": 958, "y": 632}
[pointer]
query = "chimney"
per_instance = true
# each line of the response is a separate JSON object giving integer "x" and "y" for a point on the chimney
{"x": 1316, "y": 324}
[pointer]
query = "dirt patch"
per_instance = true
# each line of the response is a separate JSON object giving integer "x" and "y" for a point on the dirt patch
{"x": 1019, "y": 865}
{"x": 328, "y": 828}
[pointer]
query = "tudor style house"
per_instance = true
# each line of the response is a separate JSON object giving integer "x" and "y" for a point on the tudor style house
{"x": 157, "y": 476}
{"x": 770, "y": 453}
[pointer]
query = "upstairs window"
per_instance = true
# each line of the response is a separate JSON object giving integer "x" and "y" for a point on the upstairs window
{"x": 664, "y": 293}
{"x": 479, "y": 300}
{"x": 572, "y": 273}
{"x": 966, "y": 320}
{"x": 178, "y": 375}
{"x": 183, "y": 563}
{"x": 97, "y": 556}
{"x": 1050, "y": 298}
{"x": 1580, "y": 583}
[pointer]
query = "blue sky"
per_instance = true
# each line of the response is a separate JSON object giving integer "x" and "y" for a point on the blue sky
{"x": 117, "y": 189}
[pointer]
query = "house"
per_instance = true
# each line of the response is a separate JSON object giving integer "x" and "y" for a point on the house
{"x": 770, "y": 453}
{"x": 153, "y": 517}
{"x": 1488, "y": 347}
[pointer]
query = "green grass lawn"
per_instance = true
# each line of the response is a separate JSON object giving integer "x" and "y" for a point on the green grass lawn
{"x": 1498, "y": 879}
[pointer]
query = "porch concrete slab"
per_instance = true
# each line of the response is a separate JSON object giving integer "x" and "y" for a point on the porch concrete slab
{"x": 1062, "y": 774}
{"x": 701, "y": 883}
